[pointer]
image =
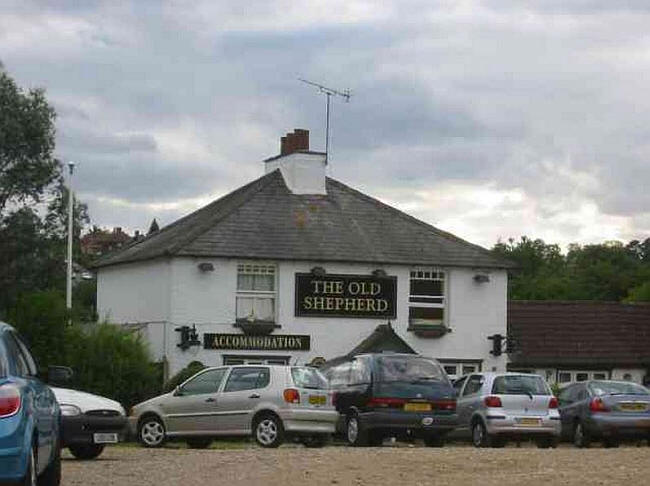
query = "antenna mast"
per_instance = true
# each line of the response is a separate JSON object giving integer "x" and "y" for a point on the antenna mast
{"x": 329, "y": 92}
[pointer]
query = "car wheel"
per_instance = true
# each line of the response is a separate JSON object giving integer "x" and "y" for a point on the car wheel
{"x": 480, "y": 436}
{"x": 151, "y": 432}
{"x": 86, "y": 451}
{"x": 580, "y": 436}
{"x": 30, "y": 474}
{"x": 434, "y": 440}
{"x": 315, "y": 441}
{"x": 356, "y": 434}
{"x": 547, "y": 442}
{"x": 202, "y": 443}
{"x": 269, "y": 431}
{"x": 52, "y": 474}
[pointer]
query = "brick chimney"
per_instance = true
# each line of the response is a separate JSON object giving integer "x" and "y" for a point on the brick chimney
{"x": 302, "y": 169}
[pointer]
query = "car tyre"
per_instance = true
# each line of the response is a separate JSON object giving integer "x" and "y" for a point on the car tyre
{"x": 30, "y": 473}
{"x": 151, "y": 432}
{"x": 434, "y": 440}
{"x": 52, "y": 474}
{"x": 269, "y": 431}
{"x": 86, "y": 452}
{"x": 199, "y": 443}
{"x": 355, "y": 432}
{"x": 480, "y": 437}
{"x": 581, "y": 437}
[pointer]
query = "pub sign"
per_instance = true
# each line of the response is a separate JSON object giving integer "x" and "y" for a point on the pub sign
{"x": 332, "y": 295}
{"x": 279, "y": 342}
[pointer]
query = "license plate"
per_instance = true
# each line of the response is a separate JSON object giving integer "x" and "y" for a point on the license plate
{"x": 104, "y": 438}
{"x": 417, "y": 407}
{"x": 317, "y": 399}
{"x": 633, "y": 407}
{"x": 529, "y": 422}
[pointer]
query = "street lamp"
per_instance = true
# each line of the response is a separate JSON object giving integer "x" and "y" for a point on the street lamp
{"x": 68, "y": 290}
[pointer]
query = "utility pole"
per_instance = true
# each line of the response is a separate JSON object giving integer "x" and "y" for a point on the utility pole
{"x": 329, "y": 92}
{"x": 68, "y": 290}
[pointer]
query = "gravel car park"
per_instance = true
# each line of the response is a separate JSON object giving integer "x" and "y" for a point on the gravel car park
{"x": 457, "y": 464}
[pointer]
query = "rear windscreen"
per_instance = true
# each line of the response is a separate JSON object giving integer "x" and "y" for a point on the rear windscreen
{"x": 308, "y": 378}
{"x": 406, "y": 368}
{"x": 519, "y": 385}
{"x": 3, "y": 358}
{"x": 616, "y": 388}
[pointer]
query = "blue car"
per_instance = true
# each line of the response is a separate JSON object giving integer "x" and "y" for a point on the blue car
{"x": 29, "y": 418}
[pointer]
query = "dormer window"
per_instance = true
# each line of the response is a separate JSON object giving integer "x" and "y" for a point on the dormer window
{"x": 256, "y": 292}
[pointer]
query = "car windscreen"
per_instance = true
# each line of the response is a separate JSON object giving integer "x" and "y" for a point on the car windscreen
{"x": 617, "y": 388}
{"x": 519, "y": 385}
{"x": 408, "y": 369}
{"x": 304, "y": 377}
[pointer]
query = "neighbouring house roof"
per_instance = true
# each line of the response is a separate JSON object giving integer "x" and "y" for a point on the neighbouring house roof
{"x": 265, "y": 220}
{"x": 579, "y": 333}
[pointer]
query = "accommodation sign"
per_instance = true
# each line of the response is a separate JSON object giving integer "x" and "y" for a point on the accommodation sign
{"x": 346, "y": 296}
{"x": 257, "y": 343}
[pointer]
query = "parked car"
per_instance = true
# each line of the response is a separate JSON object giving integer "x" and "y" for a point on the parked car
{"x": 392, "y": 395}
{"x": 271, "y": 402}
{"x": 29, "y": 417}
{"x": 496, "y": 407}
{"x": 89, "y": 422}
{"x": 603, "y": 410}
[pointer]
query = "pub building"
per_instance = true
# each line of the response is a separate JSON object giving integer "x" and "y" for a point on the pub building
{"x": 297, "y": 267}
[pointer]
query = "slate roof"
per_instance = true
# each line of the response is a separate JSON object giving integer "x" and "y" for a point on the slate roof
{"x": 265, "y": 220}
{"x": 579, "y": 333}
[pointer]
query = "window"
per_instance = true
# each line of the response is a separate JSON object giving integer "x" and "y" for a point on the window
{"x": 474, "y": 384}
{"x": 456, "y": 369}
{"x": 427, "y": 297}
{"x": 468, "y": 369}
{"x": 304, "y": 377}
{"x": 564, "y": 377}
{"x": 253, "y": 360}
{"x": 450, "y": 369}
{"x": 520, "y": 385}
{"x": 582, "y": 376}
{"x": 247, "y": 379}
{"x": 408, "y": 369}
{"x": 256, "y": 292}
{"x": 29, "y": 360}
{"x": 338, "y": 375}
{"x": 15, "y": 356}
{"x": 600, "y": 376}
{"x": 359, "y": 371}
{"x": 571, "y": 376}
{"x": 458, "y": 384}
{"x": 206, "y": 382}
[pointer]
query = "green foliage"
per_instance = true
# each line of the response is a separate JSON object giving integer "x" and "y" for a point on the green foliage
{"x": 556, "y": 389}
{"x": 607, "y": 271}
{"x": 107, "y": 360}
{"x": 190, "y": 370}
{"x": 640, "y": 293}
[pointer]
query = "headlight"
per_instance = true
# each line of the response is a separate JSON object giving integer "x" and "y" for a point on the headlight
{"x": 70, "y": 410}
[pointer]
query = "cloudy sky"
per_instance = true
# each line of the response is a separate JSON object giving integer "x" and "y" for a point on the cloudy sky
{"x": 489, "y": 119}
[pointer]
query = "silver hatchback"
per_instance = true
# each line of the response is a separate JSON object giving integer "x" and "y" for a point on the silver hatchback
{"x": 495, "y": 407}
{"x": 269, "y": 402}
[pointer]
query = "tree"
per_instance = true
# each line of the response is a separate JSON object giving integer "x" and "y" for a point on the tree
{"x": 154, "y": 227}
{"x": 640, "y": 293}
{"x": 27, "y": 166}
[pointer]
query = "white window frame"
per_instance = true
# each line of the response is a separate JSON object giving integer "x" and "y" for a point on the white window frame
{"x": 263, "y": 268}
{"x": 433, "y": 274}
{"x": 574, "y": 375}
{"x": 460, "y": 367}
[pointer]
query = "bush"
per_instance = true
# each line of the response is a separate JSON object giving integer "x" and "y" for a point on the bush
{"x": 190, "y": 370}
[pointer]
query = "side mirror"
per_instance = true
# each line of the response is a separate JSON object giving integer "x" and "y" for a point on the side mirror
{"x": 59, "y": 375}
{"x": 178, "y": 391}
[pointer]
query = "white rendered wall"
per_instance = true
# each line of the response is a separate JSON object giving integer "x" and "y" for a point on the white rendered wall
{"x": 207, "y": 300}
{"x": 304, "y": 173}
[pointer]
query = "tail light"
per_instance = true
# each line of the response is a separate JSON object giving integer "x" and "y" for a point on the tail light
{"x": 446, "y": 405}
{"x": 334, "y": 399}
{"x": 597, "y": 405}
{"x": 384, "y": 402}
{"x": 9, "y": 400}
{"x": 552, "y": 403}
{"x": 291, "y": 395}
{"x": 492, "y": 402}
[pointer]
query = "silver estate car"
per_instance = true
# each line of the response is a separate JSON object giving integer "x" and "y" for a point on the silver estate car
{"x": 496, "y": 407}
{"x": 270, "y": 402}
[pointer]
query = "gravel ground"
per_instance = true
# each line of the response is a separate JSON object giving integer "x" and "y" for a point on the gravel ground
{"x": 451, "y": 465}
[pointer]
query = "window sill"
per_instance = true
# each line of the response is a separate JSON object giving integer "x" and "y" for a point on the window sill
{"x": 256, "y": 328}
{"x": 428, "y": 330}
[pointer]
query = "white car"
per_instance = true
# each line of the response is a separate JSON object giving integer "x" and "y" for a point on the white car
{"x": 89, "y": 422}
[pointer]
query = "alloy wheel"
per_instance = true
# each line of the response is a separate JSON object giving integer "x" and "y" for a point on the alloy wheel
{"x": 267, "y": 431}
{"x": 478, "y": 435}
{"x": 353, "y": 430}
{"x": 152, "y": 433}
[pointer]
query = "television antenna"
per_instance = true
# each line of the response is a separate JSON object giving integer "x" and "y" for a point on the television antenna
{"x": 329, "y": 92}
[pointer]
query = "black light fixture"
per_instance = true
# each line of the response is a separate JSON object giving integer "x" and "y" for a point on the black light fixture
{"x": 206, "y": 267}
{"x": 379, "y": 273}
{"x": 481, "y": 278}
{"x": 318, "y": 271}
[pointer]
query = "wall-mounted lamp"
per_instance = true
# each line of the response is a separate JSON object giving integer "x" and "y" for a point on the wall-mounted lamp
{"x": 318, "y": 271}
{"x": 206, "y": 267}
{"x": 379, "y": 273}
{"x": 481, "y": 278}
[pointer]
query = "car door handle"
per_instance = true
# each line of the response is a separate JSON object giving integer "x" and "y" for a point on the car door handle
{"x": 254, "y": 395}
{"x": 210, "y": 400}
